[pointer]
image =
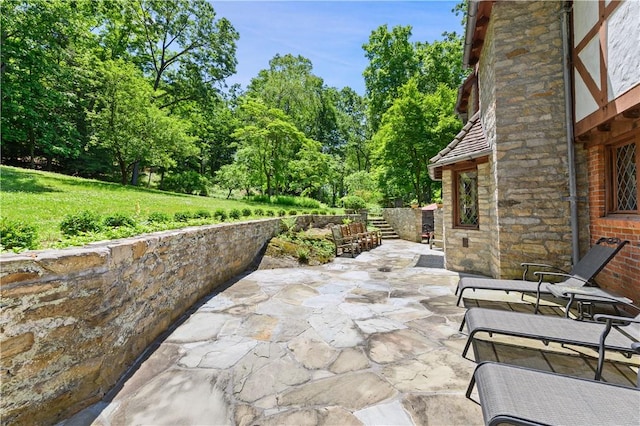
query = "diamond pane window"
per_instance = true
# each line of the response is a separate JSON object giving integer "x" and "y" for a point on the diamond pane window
{"x": 626, "y": 194}
{"x": 467, "y": 198}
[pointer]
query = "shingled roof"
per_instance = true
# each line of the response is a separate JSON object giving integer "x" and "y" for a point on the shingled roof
{"x": 469, "y": 144}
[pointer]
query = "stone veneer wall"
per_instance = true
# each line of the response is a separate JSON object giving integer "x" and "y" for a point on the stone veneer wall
{"x": 522, "y": 104}
{"x": 406, "y": 221}
{"x": 476, "y": 258}
{"x": 74, "y": 320}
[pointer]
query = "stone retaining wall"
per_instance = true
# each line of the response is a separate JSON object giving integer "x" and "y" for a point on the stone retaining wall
{"x": 407, "y": 222}
{"x": 74, "y": 320}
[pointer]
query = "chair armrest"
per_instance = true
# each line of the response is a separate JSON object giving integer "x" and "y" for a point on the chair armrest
{"x": 594, "y": 293}
{"x": 527, "y": 265}
{"x": 542, "y": 274}
{"x": 617, "y": 319}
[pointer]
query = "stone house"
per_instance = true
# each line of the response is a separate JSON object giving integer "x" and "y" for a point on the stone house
{"x": 547, "y": 161}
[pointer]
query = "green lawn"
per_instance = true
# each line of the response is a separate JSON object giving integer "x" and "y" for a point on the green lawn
{"x": 43, "y": 199}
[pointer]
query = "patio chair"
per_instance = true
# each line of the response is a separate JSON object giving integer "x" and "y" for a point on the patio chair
{"x": 580, "y": 275}
{"x": 344, "y": 243}
{"x": 366, "y": 243}
{"x": 608, "y": 332}
{"x": 371, "y": 236}
{"x": 522, "y": 396}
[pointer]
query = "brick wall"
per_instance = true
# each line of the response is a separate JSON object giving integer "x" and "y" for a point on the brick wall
{"x": 622, "y": 274}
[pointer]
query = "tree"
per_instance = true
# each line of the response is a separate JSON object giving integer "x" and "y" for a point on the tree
{"x": 232, "y": 176}
{"x": 129, "y": 126}
{"x": 392, "y": 62}
{"x": 441, "y": 63}
{"x": 44, "y": 74}
{"x": 352, "y": 123}
{"x": 290, "y": 86}
{"x": 185, "y": 50}
{"x": 413, "y": 130}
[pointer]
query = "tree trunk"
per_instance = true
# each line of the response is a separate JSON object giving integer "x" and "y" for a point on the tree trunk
{"x": 135, "y": 174}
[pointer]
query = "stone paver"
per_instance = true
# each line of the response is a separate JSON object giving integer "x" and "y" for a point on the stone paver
{"x": 364, "y": 341}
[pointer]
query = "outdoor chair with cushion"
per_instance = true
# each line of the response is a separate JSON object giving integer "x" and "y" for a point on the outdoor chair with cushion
{"x": 517, "y": 395}
{"x": 580, "y": 275}
{"x": 607, "y": 332}
{"x": 344, "y": 243}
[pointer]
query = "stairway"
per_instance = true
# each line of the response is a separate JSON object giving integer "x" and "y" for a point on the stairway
{"x": 387, "y": 231}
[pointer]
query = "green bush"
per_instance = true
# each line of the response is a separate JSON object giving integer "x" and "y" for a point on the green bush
{"x": 220, "y": 214}
{"x": 157, "y": 217}
{"x": 353, "y": 202}
{"x": 189, "y": 182}
{"x": 118, "y": 220}
{"x": 271, "y": 213}
{"x": 16, "y": 235}
{"x": 316, "y": 212}
{"x": 202, "y": 214}
{"x": 287, "y": 200}
{"x": 235, "y": 213}
{"x": 182, "y": 216}
{"x": 258, "y": 212}
{"x": 246, "y": 212}
{"x": 85, "y": 221}
{"x": 282, "y": 212}
{"x": 292, "y": 212}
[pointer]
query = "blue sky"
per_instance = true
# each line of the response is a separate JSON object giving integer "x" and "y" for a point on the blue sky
{"x": 329, "y": 33}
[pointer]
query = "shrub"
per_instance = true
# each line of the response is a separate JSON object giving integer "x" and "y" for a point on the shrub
{"x": 235, "y": 213}
{"x": 258, "y": 212}
{"x": 293, "y": 212}
{"x": 246, "y": 212}
{"x": 323, "y": 212}
{"x": 202, "y": 214}
{"x": 85, "y": 221}
{"x": 18, "y": 235}
{"x": 316, "y": 212}
{"x": 353, "y": 202}
{"x": 220, "y": 214}
{"x": 189, "y": 182}
{"x": 282, "y": 212}
{"x": 271, "y": 213}
{"x": 118, "y": 220}
{"x": 157, "y": 217}
{"x": 303, "y": 255}
{"x": 182, "y": 216}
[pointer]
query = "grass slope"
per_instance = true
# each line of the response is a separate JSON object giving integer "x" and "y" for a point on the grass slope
{"x": 43, "y": 199}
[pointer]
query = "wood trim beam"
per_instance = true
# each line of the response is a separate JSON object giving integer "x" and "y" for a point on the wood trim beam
{"x": 629, "y": 101}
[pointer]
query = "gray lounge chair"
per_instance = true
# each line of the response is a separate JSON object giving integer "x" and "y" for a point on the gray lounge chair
{"x": 609, "y": 332}
{"x": 580, "y": 275}
{"x": 521, "y": 396}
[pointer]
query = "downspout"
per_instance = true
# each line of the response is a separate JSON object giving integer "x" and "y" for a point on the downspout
{"x": 568, "y": 101}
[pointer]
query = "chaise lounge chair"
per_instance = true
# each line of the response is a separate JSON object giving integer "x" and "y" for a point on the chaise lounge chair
{"x": 581, "y": 275}
{"x": 521, "y": 396}
{"x": 609, "y": 332}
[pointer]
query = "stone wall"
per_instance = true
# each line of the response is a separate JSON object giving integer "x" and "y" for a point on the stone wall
{"x": 74, "y": 320}
{"x": 522, "y": 90}
{"x": 467, "y": 250}
{"x": 406, "y": 221}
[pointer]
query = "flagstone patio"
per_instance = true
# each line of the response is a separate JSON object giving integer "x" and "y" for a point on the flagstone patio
{"x": 372, "y": 340}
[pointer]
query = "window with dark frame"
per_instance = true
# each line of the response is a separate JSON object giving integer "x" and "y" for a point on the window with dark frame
{"x": 466, "y": 196}
{"x": 623, "y": 191}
